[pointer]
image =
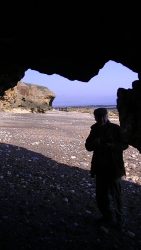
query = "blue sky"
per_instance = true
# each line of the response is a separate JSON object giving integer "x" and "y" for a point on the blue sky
{"x": 100, "y": 90}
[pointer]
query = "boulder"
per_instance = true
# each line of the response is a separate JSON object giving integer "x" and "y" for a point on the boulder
{"x": 27, "y": 96}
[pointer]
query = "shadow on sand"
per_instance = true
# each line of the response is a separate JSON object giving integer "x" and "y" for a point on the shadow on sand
{"x": 48, "y": 205}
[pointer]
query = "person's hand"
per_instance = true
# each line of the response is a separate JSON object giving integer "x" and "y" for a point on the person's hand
{"x": 97, "y": 141}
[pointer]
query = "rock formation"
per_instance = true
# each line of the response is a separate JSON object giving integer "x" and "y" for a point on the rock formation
{"x": 129, "y": 108}
{"x": 27, "y": 96}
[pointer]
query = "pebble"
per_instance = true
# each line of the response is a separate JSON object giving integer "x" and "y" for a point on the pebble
{"x": 104, "y": 229}
{"x": 66, "y": 200}
{"x": 73, "y": 157}
{"x": 131, "y": 234}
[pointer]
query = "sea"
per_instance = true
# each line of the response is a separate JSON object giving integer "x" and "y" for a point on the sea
{"x": 109, "y": 107}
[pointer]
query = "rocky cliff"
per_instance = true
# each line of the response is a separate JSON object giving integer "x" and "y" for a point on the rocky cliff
{"x": 129, "y": 108}
{"x": 27, "y": 96}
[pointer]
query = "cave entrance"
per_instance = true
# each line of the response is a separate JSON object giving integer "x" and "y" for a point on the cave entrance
{"x": 100, "y": 90}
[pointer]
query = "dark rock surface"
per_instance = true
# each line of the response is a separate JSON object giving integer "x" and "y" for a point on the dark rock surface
{"x": 129, "y": 107}
{"x": 46, "y": 194}
{"x": 67, "y": 43}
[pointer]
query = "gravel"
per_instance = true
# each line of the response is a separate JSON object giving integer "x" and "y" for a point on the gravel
{"x": 47, "y": 197}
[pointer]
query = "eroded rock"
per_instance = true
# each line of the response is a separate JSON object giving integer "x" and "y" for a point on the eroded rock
{"x": 27, "y": 96}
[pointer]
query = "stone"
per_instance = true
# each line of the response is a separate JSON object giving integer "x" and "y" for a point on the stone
{"x": 27, "y": 96}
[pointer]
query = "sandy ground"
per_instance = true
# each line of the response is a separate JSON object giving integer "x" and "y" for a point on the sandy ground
{"x": 47, "y": 195}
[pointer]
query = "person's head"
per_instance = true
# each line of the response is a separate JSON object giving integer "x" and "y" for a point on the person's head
{"x": 101, "y": 115}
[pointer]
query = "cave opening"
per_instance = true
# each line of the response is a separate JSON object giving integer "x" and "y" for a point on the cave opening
{"x": 100, "y": 90}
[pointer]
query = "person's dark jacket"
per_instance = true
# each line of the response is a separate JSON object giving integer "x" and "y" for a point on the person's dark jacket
{"x": 106, "y": 143}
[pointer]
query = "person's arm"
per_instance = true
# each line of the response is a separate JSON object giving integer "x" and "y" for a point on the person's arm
{"x": 93, "y": 168}
{"x": 89, "y": 142}
{"x": 118, "y": 142}
{"x": 92, "y": 141}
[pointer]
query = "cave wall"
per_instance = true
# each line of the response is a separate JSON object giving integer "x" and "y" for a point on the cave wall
{"x": 74, "y": 44}
{"x": 129, "y": 108}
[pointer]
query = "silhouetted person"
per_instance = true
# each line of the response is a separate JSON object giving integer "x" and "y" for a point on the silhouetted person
{"x": 107, "y": 165}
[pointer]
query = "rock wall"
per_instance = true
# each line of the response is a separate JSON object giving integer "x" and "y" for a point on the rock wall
{"x": 27, "y": 96}
{"x": 129, "y": 108}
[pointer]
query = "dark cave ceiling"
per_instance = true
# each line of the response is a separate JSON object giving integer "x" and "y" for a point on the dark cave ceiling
{"x": 71, "y": 44}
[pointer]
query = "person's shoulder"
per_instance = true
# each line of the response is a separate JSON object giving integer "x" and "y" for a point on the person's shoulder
{"x": 114, "y": 125}
{"x": 94, "y": 126}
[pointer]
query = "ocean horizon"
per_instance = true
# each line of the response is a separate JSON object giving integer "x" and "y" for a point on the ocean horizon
{"x": 108, "y": 106}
